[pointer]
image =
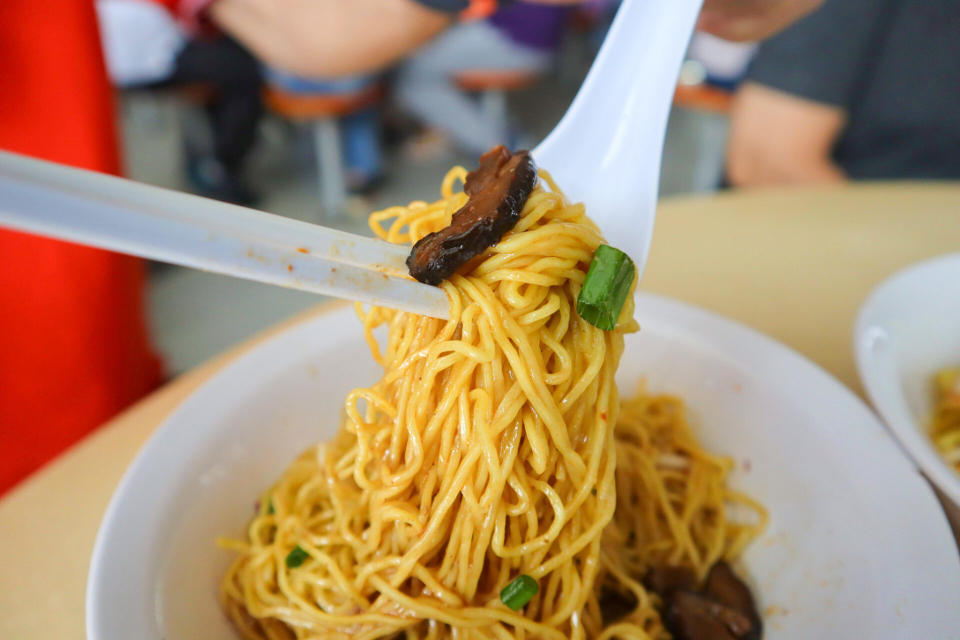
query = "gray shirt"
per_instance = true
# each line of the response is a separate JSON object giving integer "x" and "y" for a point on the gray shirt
{"x": 893, "y": 66}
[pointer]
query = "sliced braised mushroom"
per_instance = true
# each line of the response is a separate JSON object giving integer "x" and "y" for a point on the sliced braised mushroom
{"x": 722, "y": 610}
{"x": 724, "y": 586}
{"x": 615, "y": 605}
{"x": 498, "y": 189}
{"x": 692, "y": 616}
{"x": 665, "y": 580}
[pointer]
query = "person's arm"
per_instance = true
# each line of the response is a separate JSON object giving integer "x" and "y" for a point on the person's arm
{"x": 744, "y": 20}
{"x": 328, "y": 38}
{"x": 802, "y": 86}
{"x": 779, "y": 138}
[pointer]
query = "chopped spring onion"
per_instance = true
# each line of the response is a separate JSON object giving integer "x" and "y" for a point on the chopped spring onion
{"x": 270, "y": 510}
{"x": 519, "y": 592}
{"x": 296, "y": 557}
{"x": 606, "y": 287}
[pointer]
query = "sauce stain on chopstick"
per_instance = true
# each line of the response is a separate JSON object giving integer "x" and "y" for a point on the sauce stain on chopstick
{"x": 253, "y": 255}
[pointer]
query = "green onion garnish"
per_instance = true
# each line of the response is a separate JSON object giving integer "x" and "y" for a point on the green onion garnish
{"x": 606, "y": 287}
{"x": 270, "y": 510}
{"x": 519, "y": 592}
{"x": 296, "y": 557}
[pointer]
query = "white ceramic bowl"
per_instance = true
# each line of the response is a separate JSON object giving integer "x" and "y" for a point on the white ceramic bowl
{"x": 857, "y": 545}
{"x": 907, "y": 330}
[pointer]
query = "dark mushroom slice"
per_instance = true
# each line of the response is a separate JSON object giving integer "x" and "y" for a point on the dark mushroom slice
{"x": 664, "y": 580}
{"x": 724, "y": 586}
{"x": 498, "y": 189}
{"x": 615, "y": 604}
{"x": 692, "y": 616}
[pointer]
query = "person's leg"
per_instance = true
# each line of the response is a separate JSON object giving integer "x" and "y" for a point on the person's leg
{"x": 236, "y": 108}
{"x": 361, "y": 149}
{"x": 425, "y": 85}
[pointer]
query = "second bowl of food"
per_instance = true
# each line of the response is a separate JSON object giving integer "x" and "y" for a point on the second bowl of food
{"x": 907, "y": 342}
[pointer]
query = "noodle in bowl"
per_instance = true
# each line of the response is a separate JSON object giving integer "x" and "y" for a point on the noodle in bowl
{"x": 487, "y": 451}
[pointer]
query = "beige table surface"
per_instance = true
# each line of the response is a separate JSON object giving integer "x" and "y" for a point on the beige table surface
{"x": 795, "y": 264}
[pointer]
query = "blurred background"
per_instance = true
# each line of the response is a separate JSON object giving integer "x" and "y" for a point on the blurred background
{"x": 382, "y": 146}
{"x": 326, "y": 110}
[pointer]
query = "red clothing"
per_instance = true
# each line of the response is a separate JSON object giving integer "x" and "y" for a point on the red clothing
{"x": 192, "y": 15}
{"x": 170, "y": 5}
{"x": 73, "y": 343}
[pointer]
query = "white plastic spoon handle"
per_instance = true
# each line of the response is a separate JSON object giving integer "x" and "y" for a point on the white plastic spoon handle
{"x": 121, "y": 215}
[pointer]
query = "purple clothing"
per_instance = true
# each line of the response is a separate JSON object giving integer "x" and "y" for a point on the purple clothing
{"x": 532, "y": 25}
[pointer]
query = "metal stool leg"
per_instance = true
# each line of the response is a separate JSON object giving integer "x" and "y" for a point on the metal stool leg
{"x": 493, "y": 102}
{"x": 333, "y": 191}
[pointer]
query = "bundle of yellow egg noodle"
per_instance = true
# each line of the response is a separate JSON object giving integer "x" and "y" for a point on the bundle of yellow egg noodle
{"x": 487, "y": 451}
{"x": 945, "y": 421}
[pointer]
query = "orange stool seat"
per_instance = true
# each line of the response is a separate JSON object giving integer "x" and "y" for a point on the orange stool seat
{"x": 702, "y": 97}
{"x": 310, "y": 106}
{"x": 492, "y": 86}
{"x": 499, "y": 80}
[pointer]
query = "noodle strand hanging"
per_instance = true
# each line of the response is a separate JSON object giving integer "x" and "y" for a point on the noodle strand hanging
{"x": 493, "y": 447}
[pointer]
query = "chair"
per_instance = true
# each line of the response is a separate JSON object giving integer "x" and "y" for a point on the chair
{"x": 703, "y": 97}
{"x": 698, "y": 126}
{"x": 492, "y": 87}
{"x": 322, "y": 110}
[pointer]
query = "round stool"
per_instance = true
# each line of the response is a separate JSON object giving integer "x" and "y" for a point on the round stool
{"x": 322, "y": 111}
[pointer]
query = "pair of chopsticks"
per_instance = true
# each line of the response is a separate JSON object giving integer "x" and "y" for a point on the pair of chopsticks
{"x": 128, "y": 217}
